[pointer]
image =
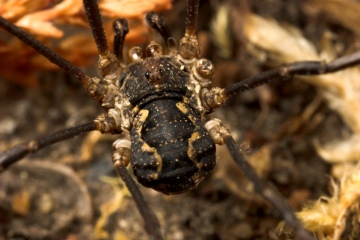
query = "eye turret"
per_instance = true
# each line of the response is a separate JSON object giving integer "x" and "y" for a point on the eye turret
{"x": 155, "y": 75}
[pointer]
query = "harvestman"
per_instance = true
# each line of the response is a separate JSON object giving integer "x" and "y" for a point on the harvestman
{"x": 136, "y": 100}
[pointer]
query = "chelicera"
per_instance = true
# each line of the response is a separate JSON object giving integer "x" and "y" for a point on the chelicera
{"x": 159, "y": 105}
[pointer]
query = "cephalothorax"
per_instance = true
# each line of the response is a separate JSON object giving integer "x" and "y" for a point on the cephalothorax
{"x": 159, "y": 105}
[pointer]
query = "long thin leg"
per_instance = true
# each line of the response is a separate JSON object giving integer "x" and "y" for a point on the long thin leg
{"x": 46, "y": 52}
{"x": 216, "y": 97}
{"x": 191, "y": 17}
{"x": 156, "y": 22}
{"x": 152, "y": 225}
{"x": 14, "y": 154}
{"x": 189, "y": 48}
{"x": 290, "y": 70}
{"x": 95, "y": 88}
{"x": 108, "y": 62}
{"x": 266, "y": 190}
{"x": 121, "y": 28}
{"x": 94, "y": 18}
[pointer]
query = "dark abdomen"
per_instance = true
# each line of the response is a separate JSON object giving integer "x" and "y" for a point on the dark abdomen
{"x": 171, "y": 149}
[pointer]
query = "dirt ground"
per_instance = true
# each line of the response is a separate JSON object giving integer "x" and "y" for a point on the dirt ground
{"x": 70, "y": 190}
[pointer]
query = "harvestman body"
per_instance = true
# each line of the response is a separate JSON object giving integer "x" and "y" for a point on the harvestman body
{"x": 160, "y": 105}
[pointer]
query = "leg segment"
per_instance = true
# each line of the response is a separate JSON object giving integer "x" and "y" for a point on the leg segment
{"x": 189, "y": 48}
{"x": 121, "y": 159}
{"x": 216, "y": 97}
{"x": 191, "y": 18}
{"x": 93, "y": 14}
{"x": 121, "y": 28}
{"x": 290, "y": 70}
{"x": 266, "y": 190}
{"x": 152, "y": 225}
{"x": 108, "y": 63}
{"x": 46, "y": 52}
{"x": 14, "y": 154}
{"x": 96, "y": 88}
{"x": 221, "y": 135}
{"x": 156, "y": 22}
{"x": 104, "y": 123}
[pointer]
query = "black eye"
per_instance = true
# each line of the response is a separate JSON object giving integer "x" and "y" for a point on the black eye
{"x": 147, "y": 75}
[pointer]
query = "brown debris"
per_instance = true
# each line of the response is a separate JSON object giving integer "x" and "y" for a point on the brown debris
{"x": 46, "y": 20}
{"x": 36, "y": 213}
{"x": 330, "y": 9}
{"x": 341, "y": 91}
